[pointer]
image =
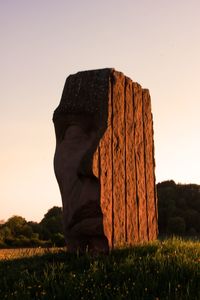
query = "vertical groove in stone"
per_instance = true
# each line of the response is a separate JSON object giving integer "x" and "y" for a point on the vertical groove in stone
{"x": 125, "y": 163}
{"x": 139, "y": 152}
{"x": 118, "y": 159}
{"x": 136, "y": 177}
{"x": 111, "y": 109}
{"x": 131, "y": 204}
{"x": 147, "y": 167}
{"x": 149, "y": 161}
{"x": 106, "y": 175}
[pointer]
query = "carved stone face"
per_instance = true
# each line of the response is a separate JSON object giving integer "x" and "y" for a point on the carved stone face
{"x": 104, "y": 126}
{"x": 80, "y": 189}
{"x": 69, "y": 154}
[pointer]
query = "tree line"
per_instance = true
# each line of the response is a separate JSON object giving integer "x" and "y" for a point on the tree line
{"x": 178, "y": 214}
{"x": 17, "y": 232}
{"x": 178, "y": 209}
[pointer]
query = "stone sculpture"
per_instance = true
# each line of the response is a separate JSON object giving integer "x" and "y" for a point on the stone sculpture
{"x": 104, "y": 161}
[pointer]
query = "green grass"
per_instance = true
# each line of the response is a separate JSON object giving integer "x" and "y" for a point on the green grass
{"x": 161, "y": 270}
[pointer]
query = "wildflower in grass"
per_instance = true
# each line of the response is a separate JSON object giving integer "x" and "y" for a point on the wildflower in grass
{"x": 43, "y": 292}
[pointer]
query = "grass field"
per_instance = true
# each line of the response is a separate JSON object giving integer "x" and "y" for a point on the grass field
{"x": 159, "y": 270}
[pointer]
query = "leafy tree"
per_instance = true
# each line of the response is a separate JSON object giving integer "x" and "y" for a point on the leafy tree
{"x": 26, "y": 231}
{"x": 166, "y": 204}
{"x": 16, "y": 224}
{"x": 36, "y": 229}
{"x": 178, "y": 201}
{"x": 176, "y": 225}
{"x": 55, "y": 211}
{"x": 5, "y": 232}
{"x": 58, "y": 239}
{"x": 52, "y": 221}
{"x": 192, "y": 219}
{"x": 17, "y": 232}
{"x": 181, "y": 203}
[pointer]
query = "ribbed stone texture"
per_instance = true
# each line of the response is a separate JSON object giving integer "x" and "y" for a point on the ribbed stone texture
{"x": 104, "y": 161}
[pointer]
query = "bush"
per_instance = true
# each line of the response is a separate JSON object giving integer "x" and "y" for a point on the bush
{"x": 9, "y": 241}
{"x": 2, "y": 245}
{"x": 22, "y": 241}
{"x": 58, "y": 240}
{"x": 192, "y": 232}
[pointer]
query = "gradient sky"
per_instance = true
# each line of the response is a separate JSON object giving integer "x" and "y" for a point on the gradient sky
{"x": 155, "y": 42}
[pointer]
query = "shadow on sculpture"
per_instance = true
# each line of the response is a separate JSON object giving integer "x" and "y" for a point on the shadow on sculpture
{"x": 77, "y": 139}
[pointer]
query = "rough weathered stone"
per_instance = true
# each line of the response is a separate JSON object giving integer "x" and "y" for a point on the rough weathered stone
{"x": 106, "y": 175}
{"x": 139, "y": 159}
{"x": 130, "y": 183}
{"x": 149, "y": 162}
{"x": 104, "y": 161}
{"x": 96, "y": 162}
{"x": 118, "y": 159}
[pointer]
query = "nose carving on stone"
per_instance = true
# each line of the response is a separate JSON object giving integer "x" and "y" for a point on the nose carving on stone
{"x": 80, "y": 189}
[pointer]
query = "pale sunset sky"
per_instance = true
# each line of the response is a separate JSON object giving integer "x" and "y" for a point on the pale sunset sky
{"x": 154, "y": 42}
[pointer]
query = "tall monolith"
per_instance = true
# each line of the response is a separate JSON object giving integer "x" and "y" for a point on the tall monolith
{"x": 104, "y": 161}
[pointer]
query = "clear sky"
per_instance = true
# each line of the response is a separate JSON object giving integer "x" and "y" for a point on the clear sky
{"x": 155, "y": 42}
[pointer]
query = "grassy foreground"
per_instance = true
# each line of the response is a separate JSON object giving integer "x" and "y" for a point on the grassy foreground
{"x": 159, "y": 270}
